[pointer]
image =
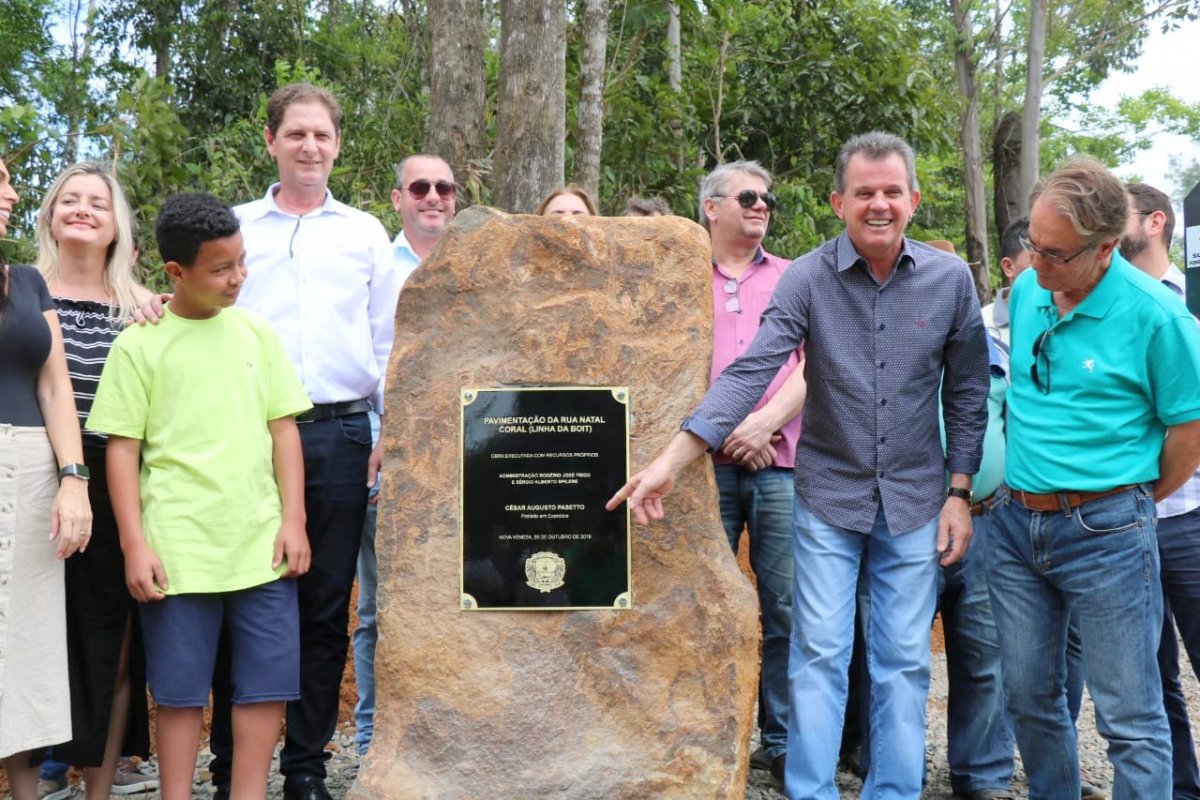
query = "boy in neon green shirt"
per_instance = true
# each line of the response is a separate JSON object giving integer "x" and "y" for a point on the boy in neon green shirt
{"x": 207, "y": 484}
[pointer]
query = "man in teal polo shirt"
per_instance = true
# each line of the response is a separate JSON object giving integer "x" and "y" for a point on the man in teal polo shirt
{"x": 1103, "y": 419}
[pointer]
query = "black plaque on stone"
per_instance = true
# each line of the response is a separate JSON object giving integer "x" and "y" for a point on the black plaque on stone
{"x": 538, "y": 464}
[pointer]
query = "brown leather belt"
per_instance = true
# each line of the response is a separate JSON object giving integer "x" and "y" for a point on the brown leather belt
{"x": 983, "y": 506}
{"x": 1062, "y": 501}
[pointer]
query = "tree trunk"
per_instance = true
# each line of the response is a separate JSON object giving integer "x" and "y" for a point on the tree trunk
{"x": 73, "y": 102}
{"x": 457, "y": 101}
{"x": 675, "y": 79}
{"x": 969, "y": 137}
{"x": 531, "y": 121}
{"x": 591, "y": 95}
{"x": 1006, "y": 171}
{"x": 1031, "y": 114}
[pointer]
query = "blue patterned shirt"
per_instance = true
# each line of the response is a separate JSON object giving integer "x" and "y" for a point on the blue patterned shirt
{"x": 875, "y": 353}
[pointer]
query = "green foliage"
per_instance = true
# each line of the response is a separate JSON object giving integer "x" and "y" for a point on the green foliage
{"x": 173, "y": 93}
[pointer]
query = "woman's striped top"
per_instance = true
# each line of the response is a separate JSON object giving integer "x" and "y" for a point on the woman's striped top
{"x": 88, "y": 329}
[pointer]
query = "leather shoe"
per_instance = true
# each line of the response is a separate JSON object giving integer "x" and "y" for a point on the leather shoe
{"x": 778, "y": 765}
{"x": 759, "y": 759}
{"x": 305, "y": 787}
{"x": 220, "y": 794}
{"x": 986, "y": 794}
{"x": 1088, "y": 791}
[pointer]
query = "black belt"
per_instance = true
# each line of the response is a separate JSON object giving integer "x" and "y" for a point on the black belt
{"x": 323, "y": 411}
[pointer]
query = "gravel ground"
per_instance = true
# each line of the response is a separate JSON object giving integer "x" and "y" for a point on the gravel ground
{"x": 343, "y": 765}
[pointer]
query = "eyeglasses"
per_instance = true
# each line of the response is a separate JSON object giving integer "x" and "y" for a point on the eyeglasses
{"x": 1039, "y": 351}
{"x": 748, "y": 197}
{"x": 1050, "y": 255}
{"x": 418, "y": 189}
{"x": 732, "y": 304}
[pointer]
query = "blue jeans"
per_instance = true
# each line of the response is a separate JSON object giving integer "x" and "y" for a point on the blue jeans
{"x": 762, "y": 502}
{"x": 1099, "y": 562}
{"x": 1179, "y": 551}
{"x": 366, "y": 635}
{"x": 978, "y": 733}
{"x": 902, "y": 586}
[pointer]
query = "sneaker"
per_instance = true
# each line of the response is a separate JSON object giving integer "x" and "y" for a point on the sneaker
{"x": 53, "y": 788}
{"x": 128, "y": 778}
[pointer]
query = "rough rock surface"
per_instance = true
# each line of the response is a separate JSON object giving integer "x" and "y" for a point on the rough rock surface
{"x": 656, "y": 702}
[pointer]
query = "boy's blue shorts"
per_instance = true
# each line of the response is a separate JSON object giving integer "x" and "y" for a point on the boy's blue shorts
{"x": 182, "y": 632}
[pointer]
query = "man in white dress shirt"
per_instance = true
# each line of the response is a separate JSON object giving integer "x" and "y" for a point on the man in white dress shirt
{"x": 323, "y": 274}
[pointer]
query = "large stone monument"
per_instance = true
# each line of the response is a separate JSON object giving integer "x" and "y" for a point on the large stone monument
{"x": 655, "y": 701}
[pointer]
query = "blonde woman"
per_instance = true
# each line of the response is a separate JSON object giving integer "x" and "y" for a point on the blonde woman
{"x": 44, "y": 516}
{"x": 86, "y": 249}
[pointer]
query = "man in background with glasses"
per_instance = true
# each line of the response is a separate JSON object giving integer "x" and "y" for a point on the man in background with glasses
{"x": 884, "y": 321}
{"x": 754, "y": 467}
{"x": 1146, "y": 243}
{"x": 424, "y": 197}
{"x": 1105, "y": 367}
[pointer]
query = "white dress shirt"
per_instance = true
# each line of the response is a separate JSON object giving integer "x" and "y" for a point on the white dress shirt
{"x": 1186, "y": 497}
{"x": 328, "y": 283}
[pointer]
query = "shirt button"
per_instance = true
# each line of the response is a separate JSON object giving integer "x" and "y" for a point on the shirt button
{"x": 882, "y": 325}
{"x": 881, "y": 474}
{"x": 882, "y": 364}
{"x": 883, "y": 402}
{"x": 882, "y": 439}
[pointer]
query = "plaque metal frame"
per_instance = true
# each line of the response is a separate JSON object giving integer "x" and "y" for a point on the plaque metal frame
{"x": 544, "y": 570}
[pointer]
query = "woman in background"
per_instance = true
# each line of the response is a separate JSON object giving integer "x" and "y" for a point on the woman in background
{"x": 571, "y": 199}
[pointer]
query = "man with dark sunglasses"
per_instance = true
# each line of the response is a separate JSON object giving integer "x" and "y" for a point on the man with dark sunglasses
{"x": 1103, "y": 420}
{"x": 884, "y": 321}
{"x": 424, "y": 197}
{"x": 754, "y": 467}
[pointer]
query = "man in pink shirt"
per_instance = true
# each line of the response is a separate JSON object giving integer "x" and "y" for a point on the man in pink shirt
{"x": 754, "y": 466}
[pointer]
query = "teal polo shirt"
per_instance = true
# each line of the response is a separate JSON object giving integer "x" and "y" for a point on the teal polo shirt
{"x": 1124, "y": 366}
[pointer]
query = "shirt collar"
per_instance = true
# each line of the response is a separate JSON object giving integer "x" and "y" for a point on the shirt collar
{"x": 1175, "y": 279}
{"x": 760, "y": 256}
{"x": 1101, "y": 298}
{"x": 269, "y": 206}
{"x": 847, "y": 256}
{"x": 402, "y": 248}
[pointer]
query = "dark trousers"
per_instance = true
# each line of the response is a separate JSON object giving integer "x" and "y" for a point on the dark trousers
{"x": 335, "y": 500}
{"x": 1179, "y": 552}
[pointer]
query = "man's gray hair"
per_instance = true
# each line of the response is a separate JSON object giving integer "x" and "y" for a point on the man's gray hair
{"x": 876, "y": 145}
{"x": 1089, "y": 196}
{"x": 716, "y": 183}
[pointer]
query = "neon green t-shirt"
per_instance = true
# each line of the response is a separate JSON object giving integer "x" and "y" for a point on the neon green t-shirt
{"x": 199, "y": 394}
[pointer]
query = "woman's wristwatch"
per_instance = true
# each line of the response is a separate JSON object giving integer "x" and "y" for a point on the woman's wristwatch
{"x": 74, "y": 471}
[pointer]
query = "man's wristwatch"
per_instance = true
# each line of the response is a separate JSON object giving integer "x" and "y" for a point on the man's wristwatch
{"x": 962, "y": 494}
{"x": 74, "y": 471}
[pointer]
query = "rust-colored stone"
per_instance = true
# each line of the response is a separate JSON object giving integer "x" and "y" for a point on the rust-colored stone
{"x": 656, "y": 702}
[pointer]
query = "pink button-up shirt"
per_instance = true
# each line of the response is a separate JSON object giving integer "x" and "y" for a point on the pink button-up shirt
{"x": 734, "y": 330}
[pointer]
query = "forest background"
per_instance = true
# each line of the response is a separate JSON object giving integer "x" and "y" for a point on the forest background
{"x": 635, "y": 97}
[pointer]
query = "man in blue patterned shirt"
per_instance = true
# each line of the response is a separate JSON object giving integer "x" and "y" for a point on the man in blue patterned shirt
{"x": 883, "y": 319}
